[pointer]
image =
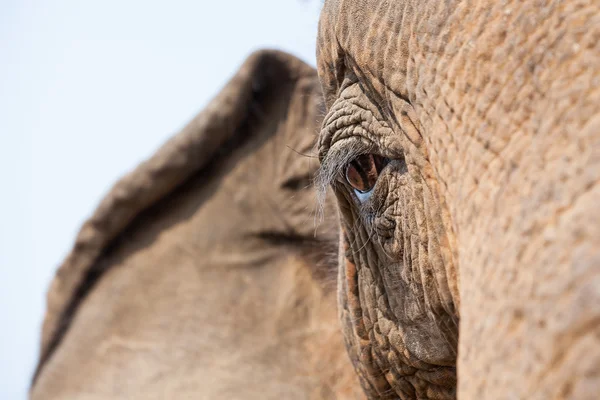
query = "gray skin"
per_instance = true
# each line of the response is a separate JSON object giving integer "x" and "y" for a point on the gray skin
{"x": 472, "y": 267}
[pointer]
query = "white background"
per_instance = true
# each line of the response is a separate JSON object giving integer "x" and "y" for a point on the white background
{"x": 88, "y": 89}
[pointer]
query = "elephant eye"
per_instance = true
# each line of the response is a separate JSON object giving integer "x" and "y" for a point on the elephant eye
{"x": 362, "y": 173}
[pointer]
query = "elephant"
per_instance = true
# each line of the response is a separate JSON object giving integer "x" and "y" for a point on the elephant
{"x": 462, "y": 144}
{"x": 201, "y": 275}
{"x": 452, "y": 249}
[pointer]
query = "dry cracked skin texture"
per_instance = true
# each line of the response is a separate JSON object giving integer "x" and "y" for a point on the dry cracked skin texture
{"x": 470, "y": 270}
{"x": 490, "y": 114}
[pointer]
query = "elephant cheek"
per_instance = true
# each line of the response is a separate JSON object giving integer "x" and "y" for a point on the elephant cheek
{"x": 358, "y": 343}
{"x": 352, "y": 299}
{"x": 389, "y": 237}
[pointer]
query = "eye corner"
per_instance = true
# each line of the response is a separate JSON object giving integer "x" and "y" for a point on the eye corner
{"x": 363, "y": 197}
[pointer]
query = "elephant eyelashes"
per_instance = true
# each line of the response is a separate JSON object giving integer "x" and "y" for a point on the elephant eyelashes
{"x": 362, "y": 173}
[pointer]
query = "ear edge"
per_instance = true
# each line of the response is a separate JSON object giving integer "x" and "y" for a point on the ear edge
{"x": 175, "y": 162}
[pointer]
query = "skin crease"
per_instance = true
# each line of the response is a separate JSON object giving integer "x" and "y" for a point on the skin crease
{"x": 473, "y": 269}
{"x": 200, "y": 275}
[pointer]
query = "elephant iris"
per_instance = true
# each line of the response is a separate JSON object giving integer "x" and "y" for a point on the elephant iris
{"x": 362, "y": 173}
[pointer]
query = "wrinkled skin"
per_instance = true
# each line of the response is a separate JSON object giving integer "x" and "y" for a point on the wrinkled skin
{"x": 470, "y": 270}
{"x": 200, "y": 275}
{"x": 485, "y": 218}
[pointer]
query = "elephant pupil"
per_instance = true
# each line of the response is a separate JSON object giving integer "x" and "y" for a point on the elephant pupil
{"x": 363, "y": 171}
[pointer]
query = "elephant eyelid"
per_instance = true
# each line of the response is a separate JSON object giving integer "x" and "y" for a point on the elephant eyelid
{"x": 338, "y": 156}
{"x": 334, "y": 162}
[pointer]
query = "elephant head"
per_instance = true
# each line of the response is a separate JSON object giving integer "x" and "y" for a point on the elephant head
{"x": 199, "y": 275}
{"x": 461, "y": 141}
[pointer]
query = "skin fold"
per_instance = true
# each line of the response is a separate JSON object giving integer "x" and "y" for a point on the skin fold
{"x": 472, "y": 268}
{"x": 201, "y": 274}
{"x": 453, "y": 249}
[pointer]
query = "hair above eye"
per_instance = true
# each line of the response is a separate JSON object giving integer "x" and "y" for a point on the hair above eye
{"x": 363, "y": 171}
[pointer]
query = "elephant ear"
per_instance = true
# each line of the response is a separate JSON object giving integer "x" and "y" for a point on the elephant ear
{"x": 266, "y": 78}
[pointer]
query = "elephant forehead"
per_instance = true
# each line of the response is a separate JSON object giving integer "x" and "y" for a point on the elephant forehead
{"x": 372, "y": 38}
{"x": 343, "y": 30}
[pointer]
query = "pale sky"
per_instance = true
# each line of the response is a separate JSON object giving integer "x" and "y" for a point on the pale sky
{"x": 88, "y": 89}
